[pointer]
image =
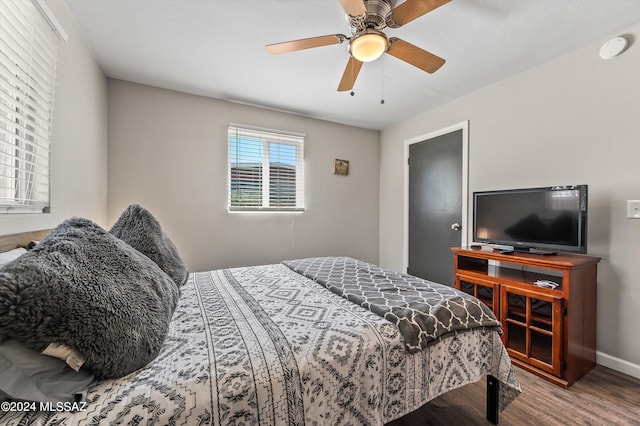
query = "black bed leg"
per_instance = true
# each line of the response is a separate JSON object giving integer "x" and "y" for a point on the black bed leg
{"x": 493, "y": 395}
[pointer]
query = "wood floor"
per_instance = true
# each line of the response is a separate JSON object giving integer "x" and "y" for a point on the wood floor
{"x": 602, "y": 397}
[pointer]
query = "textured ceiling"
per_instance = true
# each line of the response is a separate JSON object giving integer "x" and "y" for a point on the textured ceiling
{"x": 216, "y": 48}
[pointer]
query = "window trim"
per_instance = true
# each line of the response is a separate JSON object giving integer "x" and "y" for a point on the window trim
{"x": 268, "y": 137}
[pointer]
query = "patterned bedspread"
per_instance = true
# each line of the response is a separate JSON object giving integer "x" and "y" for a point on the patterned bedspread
{"x": 265, "y": 345}
{"x": 422, "y": 310}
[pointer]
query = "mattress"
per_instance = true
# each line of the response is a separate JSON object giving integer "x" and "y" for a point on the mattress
{"x": 266, "y": 345}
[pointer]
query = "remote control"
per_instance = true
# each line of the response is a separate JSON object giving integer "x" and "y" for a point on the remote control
{"x": 546, "y": 284}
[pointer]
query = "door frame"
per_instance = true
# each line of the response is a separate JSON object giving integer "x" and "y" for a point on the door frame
{"x": 464, "y": 126}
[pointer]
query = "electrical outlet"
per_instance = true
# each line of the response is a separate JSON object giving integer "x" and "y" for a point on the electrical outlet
{"x": 633, "y": 209}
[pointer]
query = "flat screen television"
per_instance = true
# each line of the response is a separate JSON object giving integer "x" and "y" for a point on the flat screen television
{"x": 538, "y": 220}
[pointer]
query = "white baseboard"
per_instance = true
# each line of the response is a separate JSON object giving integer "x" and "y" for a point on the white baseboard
{"x": 618, "y": 364}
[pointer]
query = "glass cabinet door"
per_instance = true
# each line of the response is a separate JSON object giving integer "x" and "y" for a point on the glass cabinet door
{"x": 532, "y": 324}
{"x": 487, "y": 291}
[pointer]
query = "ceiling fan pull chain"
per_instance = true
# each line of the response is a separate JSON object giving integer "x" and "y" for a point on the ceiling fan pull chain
{"x": 352, "y": 78}
{"x": 382, "y": 82}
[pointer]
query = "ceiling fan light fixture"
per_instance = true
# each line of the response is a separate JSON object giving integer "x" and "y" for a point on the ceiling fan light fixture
{"x": 368, "y": 45}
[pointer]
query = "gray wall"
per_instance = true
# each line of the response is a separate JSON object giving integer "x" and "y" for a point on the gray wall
{"x": 168, "y": 152}
{"x": 573, "y": 120}
{"x": 78, "y": 138}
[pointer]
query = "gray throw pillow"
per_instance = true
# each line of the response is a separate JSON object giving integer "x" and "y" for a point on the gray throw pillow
{"x": 138, "y": 228}
{"x": 83, "y": 288}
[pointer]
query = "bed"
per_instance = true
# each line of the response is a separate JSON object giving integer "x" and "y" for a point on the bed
{"x": 272, "y": 345}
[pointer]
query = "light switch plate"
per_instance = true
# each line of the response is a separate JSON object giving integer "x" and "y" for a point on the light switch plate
{"x": 633, "y": 209}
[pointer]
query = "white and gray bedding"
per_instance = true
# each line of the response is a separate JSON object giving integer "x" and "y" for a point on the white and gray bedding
{"x": 266, "y": 345}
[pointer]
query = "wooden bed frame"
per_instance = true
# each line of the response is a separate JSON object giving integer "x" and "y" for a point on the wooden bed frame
{"x": 8, "y": 242}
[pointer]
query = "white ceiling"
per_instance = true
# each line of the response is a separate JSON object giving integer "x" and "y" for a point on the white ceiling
{"x": 216, "y": 48}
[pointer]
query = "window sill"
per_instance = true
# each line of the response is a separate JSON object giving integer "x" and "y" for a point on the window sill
{"x": 264, "y": 210}
{"x": 23, "y": 209}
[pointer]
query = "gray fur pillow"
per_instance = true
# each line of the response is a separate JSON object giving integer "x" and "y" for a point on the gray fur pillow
{"x": 138, "y": 228}
{"x": 86, "y": 289}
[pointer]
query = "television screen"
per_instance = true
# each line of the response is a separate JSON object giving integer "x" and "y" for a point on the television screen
{"x": 551, "y": 218}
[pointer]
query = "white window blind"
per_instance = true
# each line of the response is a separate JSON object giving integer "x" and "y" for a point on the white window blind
{"x": 28, "y": 55}
{"x": 266, "y": 170}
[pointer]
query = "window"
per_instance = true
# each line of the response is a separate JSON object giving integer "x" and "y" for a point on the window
{"x": 28, "y": 53}
{"x": 265, "y": 170}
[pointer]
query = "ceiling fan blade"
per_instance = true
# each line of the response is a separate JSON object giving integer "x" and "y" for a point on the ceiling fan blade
{"x": 353, "y": 7}
{"x": 305, "y": 43}
{"x": 350, "y": 74}
{"x": 412, "y": 9}
{"x": 414, "y": 55}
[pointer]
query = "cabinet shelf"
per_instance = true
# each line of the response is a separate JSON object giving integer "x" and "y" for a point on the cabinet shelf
{"x": 486, "y": 301}
{"x": 550, "y": 332}
{"x": 532, "y": 327}
{"x": 521, "y": 313}
{"x": 506, "y": 274}
{"x": 541, "y": 331}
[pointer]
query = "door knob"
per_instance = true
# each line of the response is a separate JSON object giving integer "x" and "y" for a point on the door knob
{"x": 455, "y": 226}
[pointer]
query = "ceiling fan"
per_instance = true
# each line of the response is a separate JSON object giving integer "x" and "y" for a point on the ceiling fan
{"x": 367, "y": 19}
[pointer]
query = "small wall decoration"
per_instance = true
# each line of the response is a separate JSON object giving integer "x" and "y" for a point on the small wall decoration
{"x": 340, "y": 167}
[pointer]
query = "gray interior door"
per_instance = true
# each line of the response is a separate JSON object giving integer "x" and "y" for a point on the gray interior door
{"x": 435, "y": 206}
